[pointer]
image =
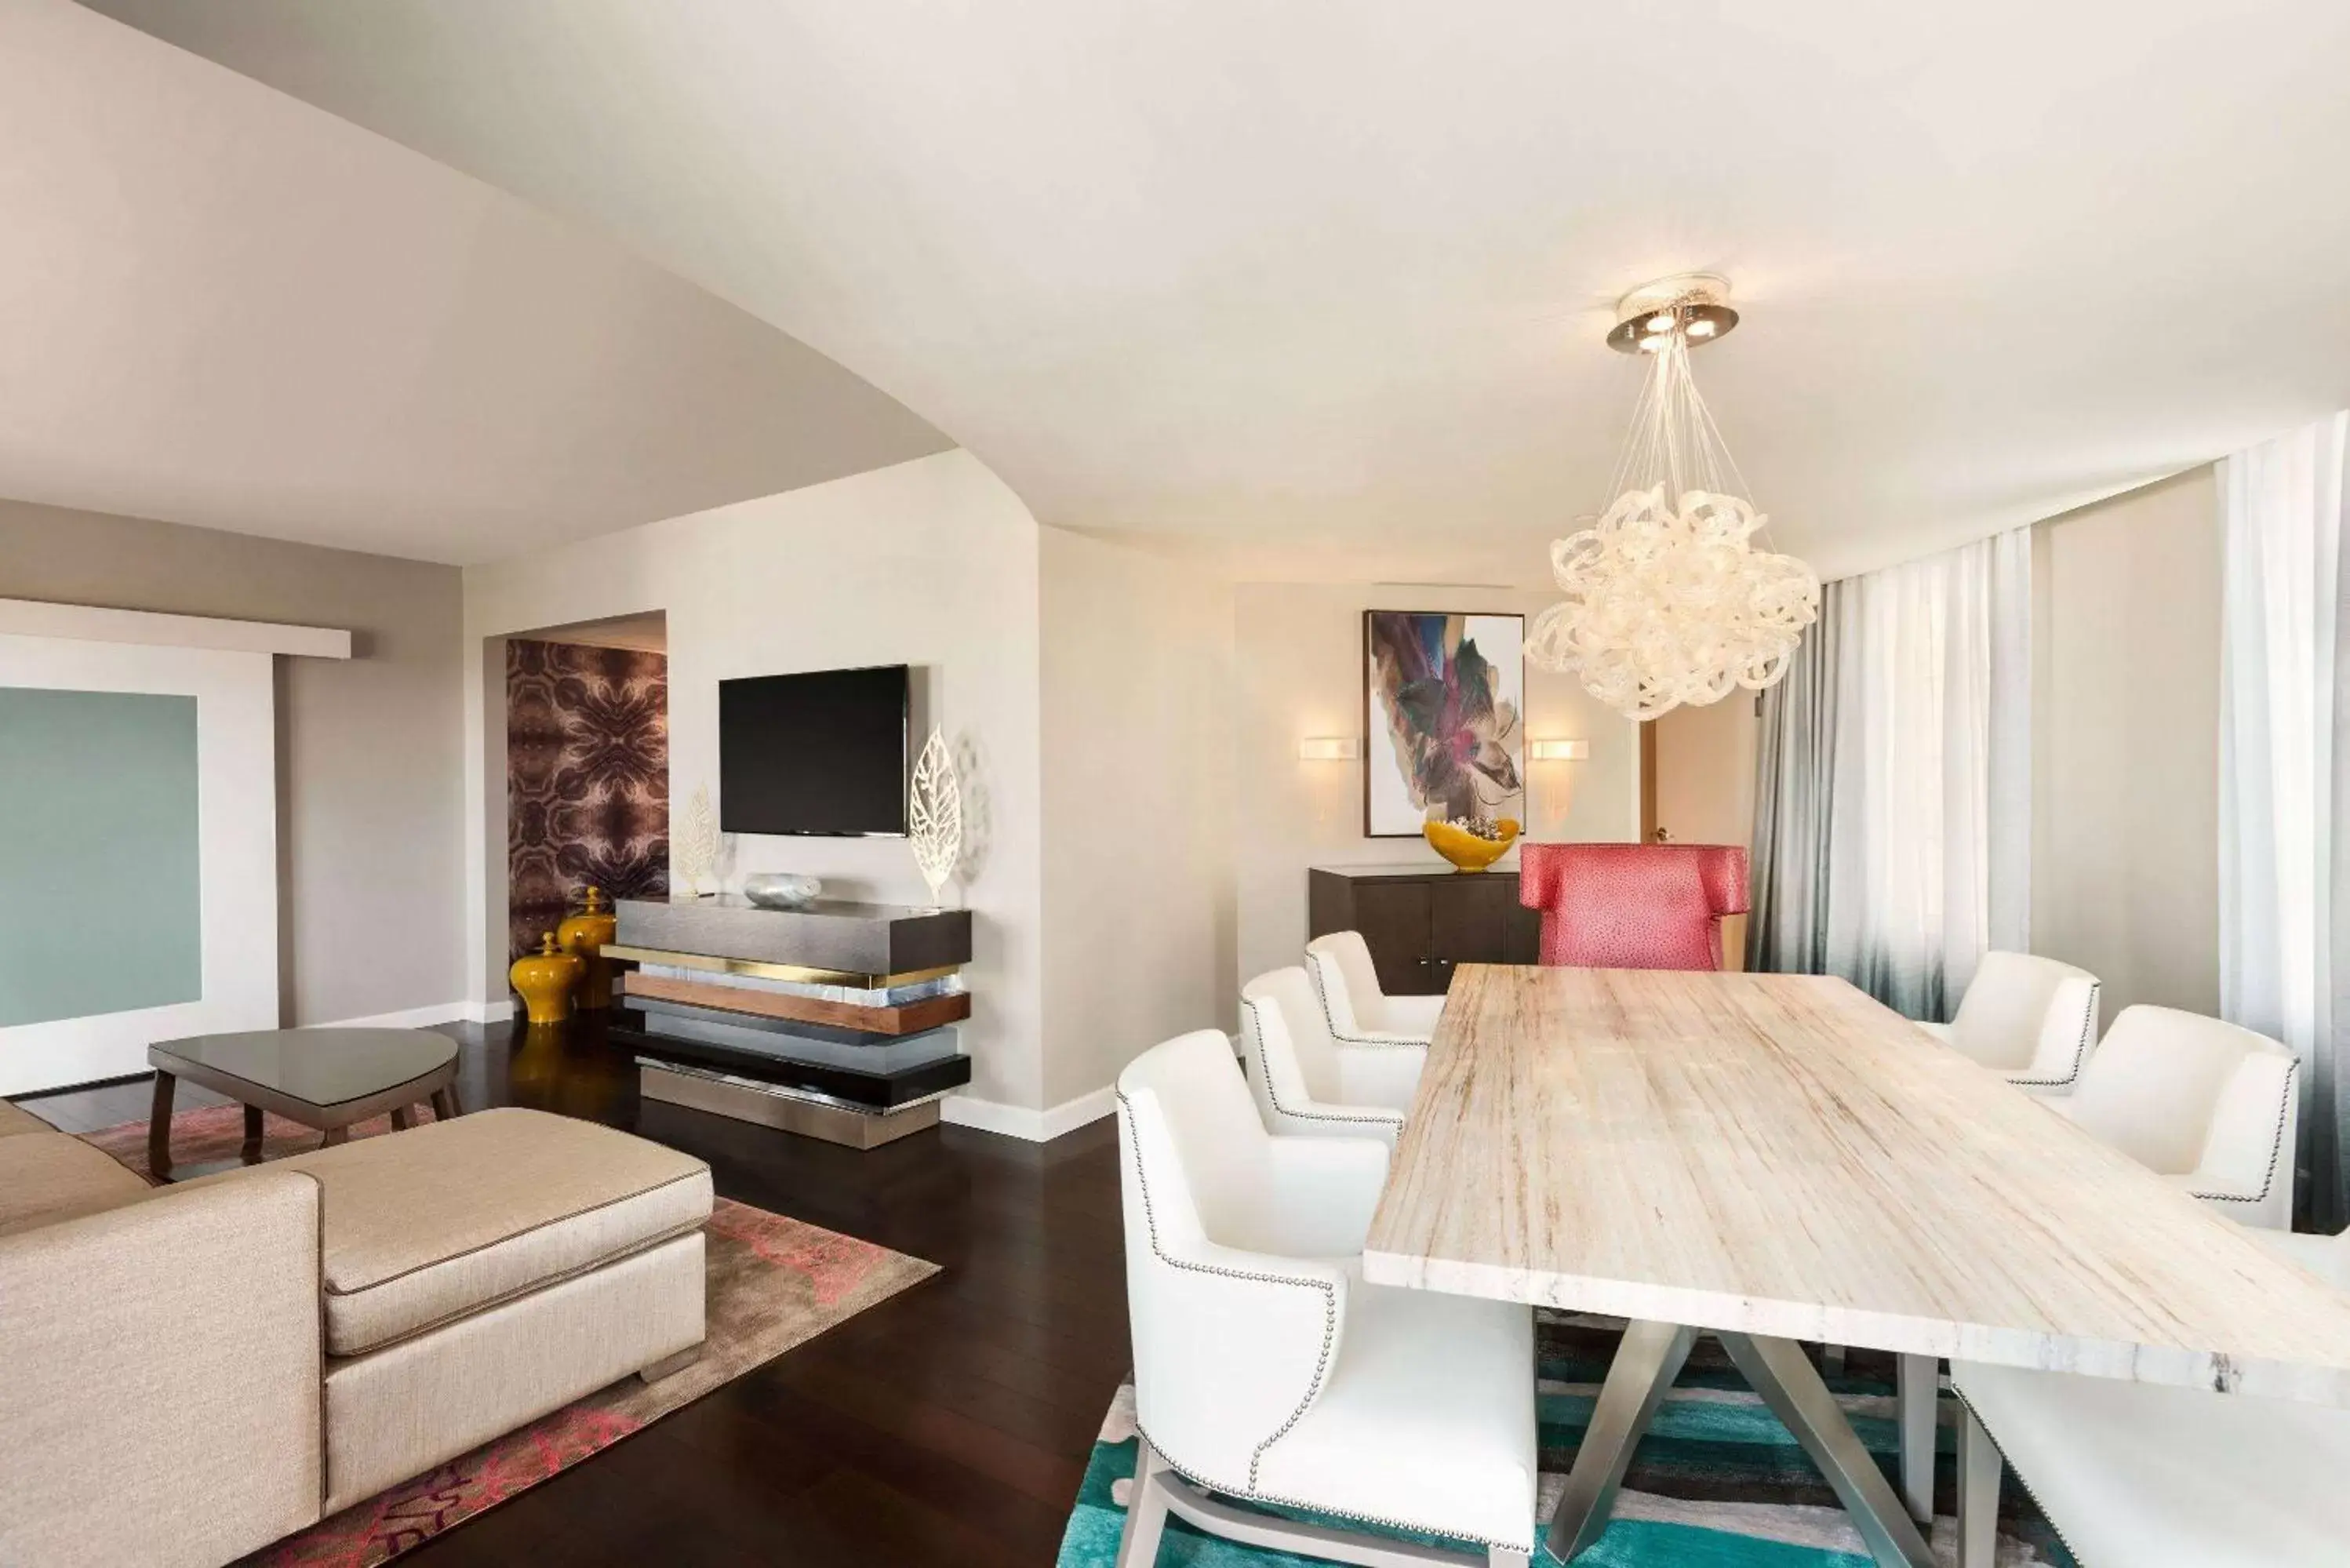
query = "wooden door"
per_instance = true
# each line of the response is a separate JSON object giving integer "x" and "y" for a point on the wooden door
{"x": 1649, "y": 834}
{"x": 1394, "y": 919}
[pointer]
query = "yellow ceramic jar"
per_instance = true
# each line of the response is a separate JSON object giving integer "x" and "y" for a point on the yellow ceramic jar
{"x": 583, "y": 936}
{"x": 546, "y": 979}
{"x": 1466, "y": 851}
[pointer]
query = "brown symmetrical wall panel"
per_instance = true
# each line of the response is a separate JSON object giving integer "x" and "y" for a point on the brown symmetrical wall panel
{"x": 587, "y": 780}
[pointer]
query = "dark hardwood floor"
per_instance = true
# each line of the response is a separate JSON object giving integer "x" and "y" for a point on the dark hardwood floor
{"x": 948, "y": 1425}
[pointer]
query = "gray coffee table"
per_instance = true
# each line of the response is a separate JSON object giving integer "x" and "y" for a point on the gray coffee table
{"x": 322, "y": 1078}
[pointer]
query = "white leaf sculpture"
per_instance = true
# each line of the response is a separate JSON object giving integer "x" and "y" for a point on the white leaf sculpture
{"x": 696, "y": 848}
{"x": 934, "y": 814}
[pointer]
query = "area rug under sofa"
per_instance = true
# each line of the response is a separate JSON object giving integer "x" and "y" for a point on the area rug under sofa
{"x": 773, "y": 1283}
{"x": 1718, "y": 1482}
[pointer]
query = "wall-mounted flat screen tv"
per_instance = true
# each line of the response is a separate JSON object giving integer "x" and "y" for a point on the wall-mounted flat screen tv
{"x": 822, "y": 754}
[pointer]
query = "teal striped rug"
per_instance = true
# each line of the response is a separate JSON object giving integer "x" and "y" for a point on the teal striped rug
{"x": 1717, "y": 1482}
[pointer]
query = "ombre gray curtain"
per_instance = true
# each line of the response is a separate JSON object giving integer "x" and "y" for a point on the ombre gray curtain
{"x": 1794, "y": 797}
{"x": 1893, "y": 781}
{"x": 2284, "y": 780}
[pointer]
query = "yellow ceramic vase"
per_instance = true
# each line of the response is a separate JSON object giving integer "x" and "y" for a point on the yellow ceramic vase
{"x": 583, "y": 936}
{"x": 546, "y": 979}
{"x": 1466, "y": 851}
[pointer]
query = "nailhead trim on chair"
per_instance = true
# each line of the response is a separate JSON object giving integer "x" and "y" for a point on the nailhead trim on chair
{"x": 2080, "y": 1051}
{"x": 1253, "y": 1495}
{"x": 1322, "y": 995}
{"x": 2021, "y": 1480}
{"x": 2276, "y": 1147}
{"x": 1382, "y": 1118}
{"x": 1312, "y": 1392}
{"x": 1329, "y": 1300}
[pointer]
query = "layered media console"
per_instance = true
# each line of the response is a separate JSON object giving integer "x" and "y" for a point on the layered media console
{"x": 835, "y": 1020}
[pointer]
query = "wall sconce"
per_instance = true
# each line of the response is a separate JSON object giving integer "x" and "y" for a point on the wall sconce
{"x": 1329, "y": 749}
{"x": 1562, "y": 751}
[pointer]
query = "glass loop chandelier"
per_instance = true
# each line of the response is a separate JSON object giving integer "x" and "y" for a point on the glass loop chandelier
{"x": 1667, "y": 601}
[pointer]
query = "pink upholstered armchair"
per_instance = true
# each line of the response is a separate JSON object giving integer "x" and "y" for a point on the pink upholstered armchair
{"x": 1633, "y": 905}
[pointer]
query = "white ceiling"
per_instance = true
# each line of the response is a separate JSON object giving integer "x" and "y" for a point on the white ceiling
{"x": 220, "y": 306}
{"x": 1326, "y": 279}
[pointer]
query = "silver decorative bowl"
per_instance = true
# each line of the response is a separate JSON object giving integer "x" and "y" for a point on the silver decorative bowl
{"x": 781, "y": 889}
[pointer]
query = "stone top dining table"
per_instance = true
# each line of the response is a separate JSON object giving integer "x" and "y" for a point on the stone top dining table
{"x": 1773, "y": 1159}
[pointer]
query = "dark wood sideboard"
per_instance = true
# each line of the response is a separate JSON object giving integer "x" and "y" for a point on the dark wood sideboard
{"x": 1419, "y": 923}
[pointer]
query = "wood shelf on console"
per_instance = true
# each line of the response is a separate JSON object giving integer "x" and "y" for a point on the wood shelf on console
{"x": 905, "y": 1018}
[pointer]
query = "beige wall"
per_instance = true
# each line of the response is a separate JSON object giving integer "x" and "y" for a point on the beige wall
{"x": 931, "y": 563}
{"x": 1705, "y": 772}
{"x": 1137, "y": 663}
{"x": 370, "y": 876}
{"x": 2126, "y": 723}
{"x": 1299, "y": 658}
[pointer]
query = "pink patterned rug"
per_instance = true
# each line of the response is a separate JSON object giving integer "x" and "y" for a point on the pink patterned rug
{"x": 773, "y": 1283}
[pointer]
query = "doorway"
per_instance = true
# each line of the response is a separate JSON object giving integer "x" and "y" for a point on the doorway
{"x": 1697, "y": 785}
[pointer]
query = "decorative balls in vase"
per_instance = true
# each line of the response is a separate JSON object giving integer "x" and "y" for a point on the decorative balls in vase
{"x": 1471, "y": 846}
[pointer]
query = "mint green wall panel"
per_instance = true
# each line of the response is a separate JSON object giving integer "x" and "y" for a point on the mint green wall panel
{"x": 98, "y": 854}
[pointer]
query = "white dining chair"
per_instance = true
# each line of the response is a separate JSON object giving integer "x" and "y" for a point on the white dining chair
{"x": 1265, "y": 1369}
{"x": 2160, "y": 1477}
{"x": 2210, "y": 1107}
{"x": 1307, "y": 1081}
{"x": 2029, "y": 1019}
{"x": 1357, "y": 1012}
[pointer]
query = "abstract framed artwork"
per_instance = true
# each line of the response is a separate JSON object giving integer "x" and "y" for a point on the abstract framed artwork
{"x": 1443, "y": 718}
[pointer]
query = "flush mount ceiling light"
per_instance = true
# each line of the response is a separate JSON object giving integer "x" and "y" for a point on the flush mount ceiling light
{"x": 1695, "y": 303}
{"x": 1667, "y": 601}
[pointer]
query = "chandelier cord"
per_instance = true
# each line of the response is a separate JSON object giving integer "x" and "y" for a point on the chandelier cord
{"x": 1673, "y": 439}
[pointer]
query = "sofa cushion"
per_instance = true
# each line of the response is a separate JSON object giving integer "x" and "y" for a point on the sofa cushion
{"x": 14, "y": 1119}
{"x": 424, "y": 1226}
{"x": 46, "y": 1180}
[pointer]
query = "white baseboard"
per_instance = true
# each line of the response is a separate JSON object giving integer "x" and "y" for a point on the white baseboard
{"x": 1020, "y": 1122}
{"x": 425, "y": 1017}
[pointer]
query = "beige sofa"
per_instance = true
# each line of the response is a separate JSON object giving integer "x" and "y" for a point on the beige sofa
{"x": 193, "y": 1371}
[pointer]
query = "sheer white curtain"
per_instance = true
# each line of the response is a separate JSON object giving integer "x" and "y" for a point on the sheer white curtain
{"x": 2284, "y": 699}
{"x": 1911, "y": 855}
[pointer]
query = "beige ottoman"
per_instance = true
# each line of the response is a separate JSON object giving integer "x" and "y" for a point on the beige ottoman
{"x": 480, "y": 1273}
